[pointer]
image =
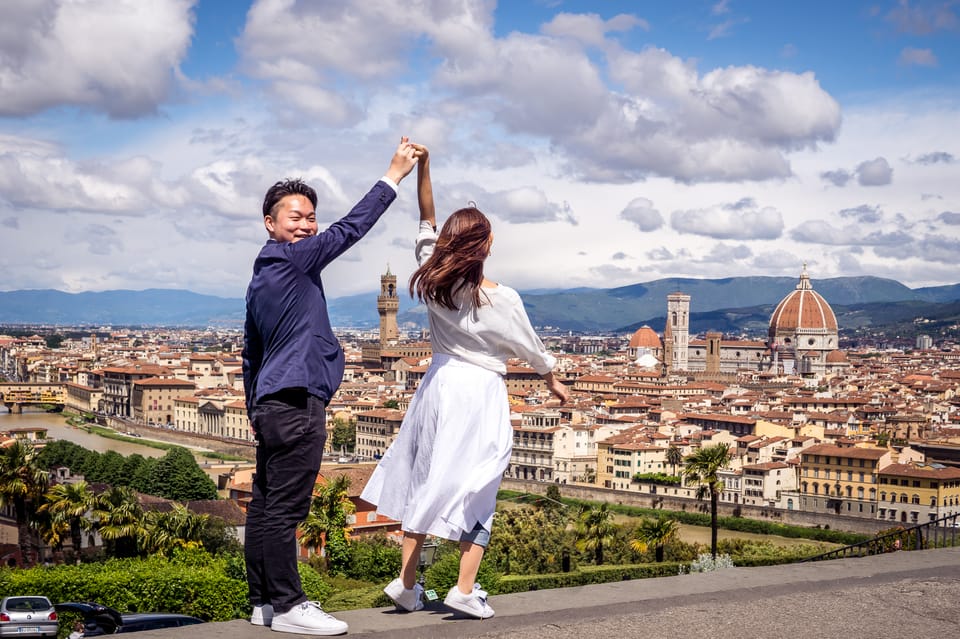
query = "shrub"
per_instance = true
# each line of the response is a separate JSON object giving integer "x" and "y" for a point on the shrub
{"x": 584, "y": 576}
{"x": 707, "y": 563}
{"x": 442, "y": 575}
{"x": 191, "y": 583}
{"x": 373, "y": 559}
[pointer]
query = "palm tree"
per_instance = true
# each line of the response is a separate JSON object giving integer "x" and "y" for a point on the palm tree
{"x": 22, "y": 484}
{"x": 595, "y": 529}
{"x": 674, "y": 457}
{"x": 657, "y": 533}
{"x": 67, "y": 504}
{"x": 703, "y": 468}
{"x": 119, "y": 519}
{"x": 176, "y": 528}
{"x": 326, "y": 524}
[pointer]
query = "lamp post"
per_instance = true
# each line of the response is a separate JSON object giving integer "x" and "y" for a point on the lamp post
{"x": 428, "y": 554}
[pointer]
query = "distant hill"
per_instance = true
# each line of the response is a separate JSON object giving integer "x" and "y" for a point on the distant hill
{"x": 730, "y": 305}
{"x": 156, "y": 307}
{"x": 615, "y": 308}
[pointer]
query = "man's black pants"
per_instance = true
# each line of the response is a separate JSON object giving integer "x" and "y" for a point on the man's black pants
{"x": 290, "y": 429}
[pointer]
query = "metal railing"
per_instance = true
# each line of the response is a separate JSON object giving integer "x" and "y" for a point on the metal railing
{"x": 939, "y": 533}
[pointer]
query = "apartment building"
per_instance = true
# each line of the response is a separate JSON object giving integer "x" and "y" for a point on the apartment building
{"x": 841, "y": 479}
{"x": 153, "y": 399}
{"x": 915, "y": 493}
{"x": 376, "y": 430}
{"x": 533, "y": 445}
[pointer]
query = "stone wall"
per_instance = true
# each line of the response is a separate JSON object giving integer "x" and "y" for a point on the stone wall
{"x": 666, "y": 502}
{"x": 208, "y": 442}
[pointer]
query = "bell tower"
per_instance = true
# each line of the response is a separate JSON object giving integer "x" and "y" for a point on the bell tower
{"x": 388, "y": 304}
{"x": 678, "y": 318}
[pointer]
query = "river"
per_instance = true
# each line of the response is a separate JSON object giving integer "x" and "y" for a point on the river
{"x": 57, "y": 428}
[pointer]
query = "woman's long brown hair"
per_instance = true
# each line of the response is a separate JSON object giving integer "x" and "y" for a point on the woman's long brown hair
{"x": 457, "y": 260}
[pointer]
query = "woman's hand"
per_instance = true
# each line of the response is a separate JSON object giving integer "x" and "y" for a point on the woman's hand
{"x": 557, "y": 388}
{"x": 423, "y": 153}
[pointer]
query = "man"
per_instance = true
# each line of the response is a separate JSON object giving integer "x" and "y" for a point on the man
{"x": 292, "y": 366}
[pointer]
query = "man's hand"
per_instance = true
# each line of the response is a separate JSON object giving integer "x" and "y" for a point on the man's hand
{"x": 403, "y": 160}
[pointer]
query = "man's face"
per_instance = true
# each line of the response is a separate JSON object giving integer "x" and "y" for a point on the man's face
{"x": 295, "y": 220}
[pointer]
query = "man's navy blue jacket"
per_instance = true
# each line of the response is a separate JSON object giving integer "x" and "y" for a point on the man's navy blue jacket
{"x": 288, "y": 341}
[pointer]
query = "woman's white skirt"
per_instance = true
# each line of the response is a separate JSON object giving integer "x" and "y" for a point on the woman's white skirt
{"x": 442, "y": 473}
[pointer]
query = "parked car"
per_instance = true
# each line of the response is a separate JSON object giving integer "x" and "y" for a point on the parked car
{"x": 101, "y": 620}
{"x": 30, "y": 616}
{"x": 97, "y": 619}
{"x": 134, "y": 622}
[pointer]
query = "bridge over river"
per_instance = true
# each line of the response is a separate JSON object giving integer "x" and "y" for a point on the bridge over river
{"x": 15, "y": 395}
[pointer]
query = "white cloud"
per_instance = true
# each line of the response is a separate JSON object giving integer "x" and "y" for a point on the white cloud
{"x": 120, "y": 58}
{"x": 930, "y": 248}
{"x": 911, "y": 57}
{"x": 865, "y": 214}
{"x": 642, "y": 214}
{"x": 526, "y": 205}
{"x": 589, "y": 28}
{"x": 741, "y": 220}
{"x": 923, "y": 18}
{"x": 725, "y": 253}
{"x": 776, "y": 261}
{"x": 948, "y": 217}
{"x": 936, "y": 157}
{"x": 822, "y": 232}
{"x": 837, "y": 177}
{"x": 99, "y": 239}
{"x": 877, "y": 172}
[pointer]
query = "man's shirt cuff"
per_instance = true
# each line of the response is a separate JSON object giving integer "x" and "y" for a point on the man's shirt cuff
{"x": 393, "y": 185}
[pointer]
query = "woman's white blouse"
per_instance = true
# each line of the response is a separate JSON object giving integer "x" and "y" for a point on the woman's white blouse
{"x": 486, "y": 336}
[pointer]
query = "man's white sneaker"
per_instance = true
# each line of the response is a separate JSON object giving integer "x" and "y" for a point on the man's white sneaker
{"x": 308, "y": 618}
{"x": 405, "y": 600}
{"x": 262, "y": 615}
{"x": 473, "y": 605}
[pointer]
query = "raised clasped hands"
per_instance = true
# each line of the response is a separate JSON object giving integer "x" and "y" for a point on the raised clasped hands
{"x": 404, "y": 159}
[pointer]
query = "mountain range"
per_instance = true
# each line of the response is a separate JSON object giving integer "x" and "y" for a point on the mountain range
{"x": 730, "y": 305}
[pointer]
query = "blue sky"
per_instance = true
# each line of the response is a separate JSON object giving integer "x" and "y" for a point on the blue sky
{"x": 610, "y": 142}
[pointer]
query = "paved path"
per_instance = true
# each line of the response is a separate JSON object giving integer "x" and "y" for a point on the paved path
{"x": 908, "y": 594}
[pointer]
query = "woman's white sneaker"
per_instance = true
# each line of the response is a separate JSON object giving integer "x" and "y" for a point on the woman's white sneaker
{"x": 473, "y": 605}
{"x": 407, "y": 600}
{"x": 308, "y": 618}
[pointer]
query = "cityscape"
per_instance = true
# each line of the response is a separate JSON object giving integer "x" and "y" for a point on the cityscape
{"x": 860, "y": 439}
{"x": 733, "y": 224}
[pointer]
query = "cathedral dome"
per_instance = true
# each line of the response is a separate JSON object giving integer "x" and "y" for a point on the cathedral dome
{"x": 837, "y": 357}
{"x": 645, "y": 337}
{"x": 801, "y": 311}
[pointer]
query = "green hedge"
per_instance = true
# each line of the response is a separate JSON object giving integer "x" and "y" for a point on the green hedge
{"x": 198, "y": 588}
{"x": 586, "y": 575}
{"x": 740, "y": 524}
{"x": 661, "y": 479}
{"x": 191, "y": 583}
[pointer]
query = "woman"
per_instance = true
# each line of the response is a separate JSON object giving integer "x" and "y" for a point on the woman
{"x": 441, "y": 475}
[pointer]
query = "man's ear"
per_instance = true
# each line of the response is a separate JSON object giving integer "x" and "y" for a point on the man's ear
{"x": 269, "y": 223}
